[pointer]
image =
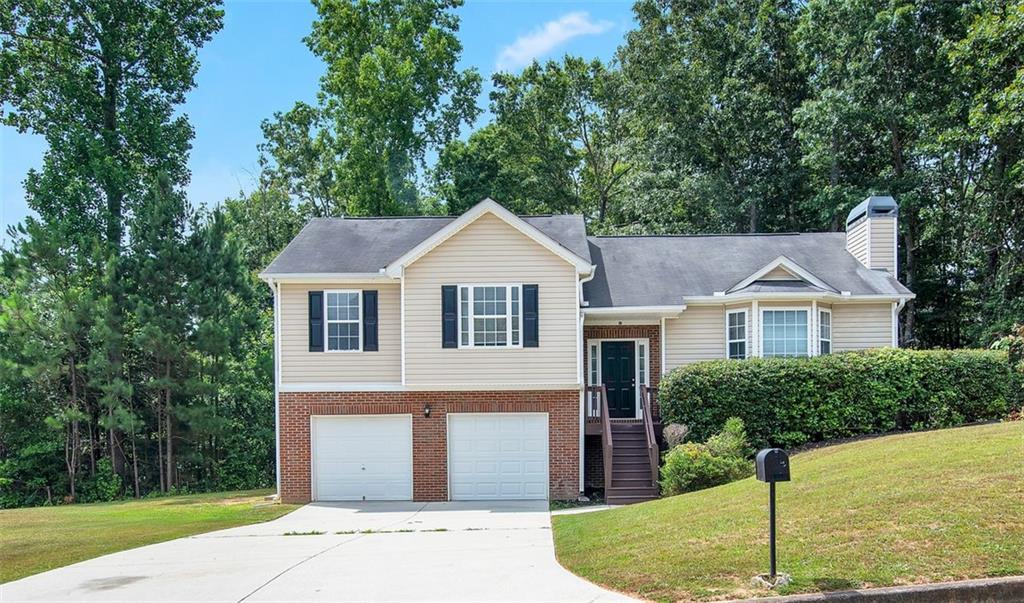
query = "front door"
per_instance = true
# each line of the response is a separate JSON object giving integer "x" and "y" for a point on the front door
{"x": 618, "y": 373}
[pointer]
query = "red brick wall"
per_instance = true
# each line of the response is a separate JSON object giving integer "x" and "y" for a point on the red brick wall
{"x": 430, "y": 450}
{"x": 651, "y": 332}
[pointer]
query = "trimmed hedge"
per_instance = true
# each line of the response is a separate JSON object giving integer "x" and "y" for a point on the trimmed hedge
{"x": 787, "y": 402}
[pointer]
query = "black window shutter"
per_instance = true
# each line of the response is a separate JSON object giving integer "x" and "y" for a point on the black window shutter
{"x": 369, "y": 321}
{"x": 449, "y": 316}
{"x": 316, "y": 321}
{"x": 531, "y": 337}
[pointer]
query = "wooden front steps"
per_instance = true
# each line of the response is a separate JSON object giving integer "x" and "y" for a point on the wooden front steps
{"x": 631, "y": 477}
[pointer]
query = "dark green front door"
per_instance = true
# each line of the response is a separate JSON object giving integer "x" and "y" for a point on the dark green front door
{"x": 618, "y": 373}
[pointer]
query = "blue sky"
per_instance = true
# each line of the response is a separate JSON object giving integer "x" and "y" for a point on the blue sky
{"x": 258, "y": 64}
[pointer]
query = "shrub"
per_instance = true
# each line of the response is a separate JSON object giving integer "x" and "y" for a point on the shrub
{"x": 787, "y": 402}
{"x": 105, "y": 486}
{"x": 692, "y": 466}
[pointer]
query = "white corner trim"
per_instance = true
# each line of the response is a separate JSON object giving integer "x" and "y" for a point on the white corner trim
{"x": 661, "y": 338}
{"x": 487, "y": 206}
{"x": 401, "y": 318}
{"x": 788, "y": 265}
{"x": 277, "y": 385}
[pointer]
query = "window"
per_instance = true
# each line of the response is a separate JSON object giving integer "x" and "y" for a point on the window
{"x": 343, "y": 320}
{"x": 784, "y": 333}
{"x": 642, "y": 362}
{"x": 595, "y": 378}
{"x": 736, "y": 334}
{"x": 489, "y": 315}
{"x": 825, "y": 332}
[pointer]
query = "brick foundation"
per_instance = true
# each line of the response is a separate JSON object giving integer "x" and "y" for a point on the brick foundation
{"x": 429, "y": 435}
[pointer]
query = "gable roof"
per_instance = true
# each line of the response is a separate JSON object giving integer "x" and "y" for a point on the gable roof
{"x": 353, "y": 246}
{"x": 489, "y": 207}
{"x": 798, "y": 272}
{"x": 667, "y": 270}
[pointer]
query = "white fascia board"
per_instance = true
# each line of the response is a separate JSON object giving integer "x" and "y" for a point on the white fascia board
{"x": 788, "y": 265}
{"x": 327, "y": 277}
{"x": 656, "y": 311}
{"x": 822, "y": 296}
{"x": 484, "y": 207}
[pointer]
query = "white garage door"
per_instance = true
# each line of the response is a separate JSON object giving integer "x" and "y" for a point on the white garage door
{"x": 362, "y": 457}
{"x": 498, "y": 455}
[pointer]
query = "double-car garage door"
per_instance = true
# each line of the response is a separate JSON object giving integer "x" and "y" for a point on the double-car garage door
{"x": 490, "y": 456}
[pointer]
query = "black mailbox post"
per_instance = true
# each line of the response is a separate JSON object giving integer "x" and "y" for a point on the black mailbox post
{"x": 772, "y": 466}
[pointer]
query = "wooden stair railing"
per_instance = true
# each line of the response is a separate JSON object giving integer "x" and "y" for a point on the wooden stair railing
{"x": 600, "y": 408}
{"x": 646, "y": 399}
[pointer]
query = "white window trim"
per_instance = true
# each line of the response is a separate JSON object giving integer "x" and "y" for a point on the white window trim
{"x": 746, "y": 334}
{"x": 810, "y": 335}
{"x": 596, "y": 343}
{"x": 508, "y": 322}
{"x": 829, "y": 338}
{"x": 359, "y": 321}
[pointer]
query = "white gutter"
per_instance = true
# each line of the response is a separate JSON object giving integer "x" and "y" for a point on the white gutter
{"x": 616, "y": 310}
{"x": 316, "y": 277}
{"x": 821, "y": 296}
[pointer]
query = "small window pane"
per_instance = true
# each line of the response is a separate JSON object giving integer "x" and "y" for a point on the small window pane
{"x": 785, "y": 333}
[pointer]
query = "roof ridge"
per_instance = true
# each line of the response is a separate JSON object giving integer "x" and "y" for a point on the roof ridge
{"x": 708, "y": 235}
{"x": 525, "y": 216}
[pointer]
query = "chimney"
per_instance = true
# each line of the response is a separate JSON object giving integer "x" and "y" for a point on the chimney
{"x": 871, "y": 233}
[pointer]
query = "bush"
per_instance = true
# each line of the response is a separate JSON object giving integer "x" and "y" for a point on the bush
{"x": 722, "y": 459}
{"x": 105, "y": 486}
{"x": 787, "y": 402}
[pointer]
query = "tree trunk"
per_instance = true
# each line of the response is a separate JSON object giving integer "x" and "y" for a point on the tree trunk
{"x": 171, "y": 481}
{"x": 160, "y": 445}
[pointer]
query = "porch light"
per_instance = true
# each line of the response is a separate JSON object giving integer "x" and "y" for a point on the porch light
{"x": 426, "y": 411}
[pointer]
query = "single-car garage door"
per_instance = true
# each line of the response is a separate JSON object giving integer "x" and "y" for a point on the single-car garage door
{"x": 362, "y": 457}
{"x": 498, "y": 456}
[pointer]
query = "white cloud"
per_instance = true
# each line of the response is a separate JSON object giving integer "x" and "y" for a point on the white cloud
{"x": 546, "y": 37}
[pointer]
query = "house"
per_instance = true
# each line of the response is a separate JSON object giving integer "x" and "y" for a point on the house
{"x": 495, "y": 356}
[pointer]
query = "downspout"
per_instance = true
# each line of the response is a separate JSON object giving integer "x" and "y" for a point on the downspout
{"x": 579, "y": 366}
{"x": 277, "y": 385}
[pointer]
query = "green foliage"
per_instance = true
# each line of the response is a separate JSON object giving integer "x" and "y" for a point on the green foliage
{"x": 789, "y": 402}
{"x": 391, "y": 92}
{"x": 104, "y": 486}
{"x": 720, "y": 460}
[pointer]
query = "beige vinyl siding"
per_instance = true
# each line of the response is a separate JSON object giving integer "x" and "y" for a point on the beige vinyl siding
{"x": 299, "y": 365}
{"x": 857, "y": 240}
{"x": 861, "y": 326}
{"x": 779, "y": 274}
{"x": 697, "y": 335}
{"x": 883, "y": 243}
{"x": 489, "y": 251}
{"x": 750, "y": 328}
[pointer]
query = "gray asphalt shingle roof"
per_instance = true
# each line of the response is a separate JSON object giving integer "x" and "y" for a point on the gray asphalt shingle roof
{"x": 364, "y": 245}
{"x": 663, "y": 270}
{"x": 631, "y": 270}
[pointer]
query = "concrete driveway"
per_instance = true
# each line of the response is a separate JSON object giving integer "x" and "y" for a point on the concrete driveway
{"x": 363, "y": 552}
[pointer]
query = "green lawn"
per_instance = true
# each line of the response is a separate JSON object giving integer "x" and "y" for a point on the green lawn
{"x": 922, "y": 507}
{"x": 37, "y": 539}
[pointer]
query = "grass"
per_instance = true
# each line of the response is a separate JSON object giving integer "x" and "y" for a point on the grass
{"x": 911, "y": 508}
{"x": 37, "y": 539}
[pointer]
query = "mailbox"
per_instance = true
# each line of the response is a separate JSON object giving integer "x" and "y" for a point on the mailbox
{"x": 772, "y": 465}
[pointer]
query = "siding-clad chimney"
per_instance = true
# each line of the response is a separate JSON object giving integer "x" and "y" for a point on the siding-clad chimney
{"x": 871, "y": 233}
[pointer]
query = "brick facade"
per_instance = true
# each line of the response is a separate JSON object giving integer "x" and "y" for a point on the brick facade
{"x": 429, "y": 434}
{"x": 649, "y": 332}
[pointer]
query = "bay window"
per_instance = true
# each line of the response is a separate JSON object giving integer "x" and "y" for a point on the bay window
{"x": 784, "y": 333}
